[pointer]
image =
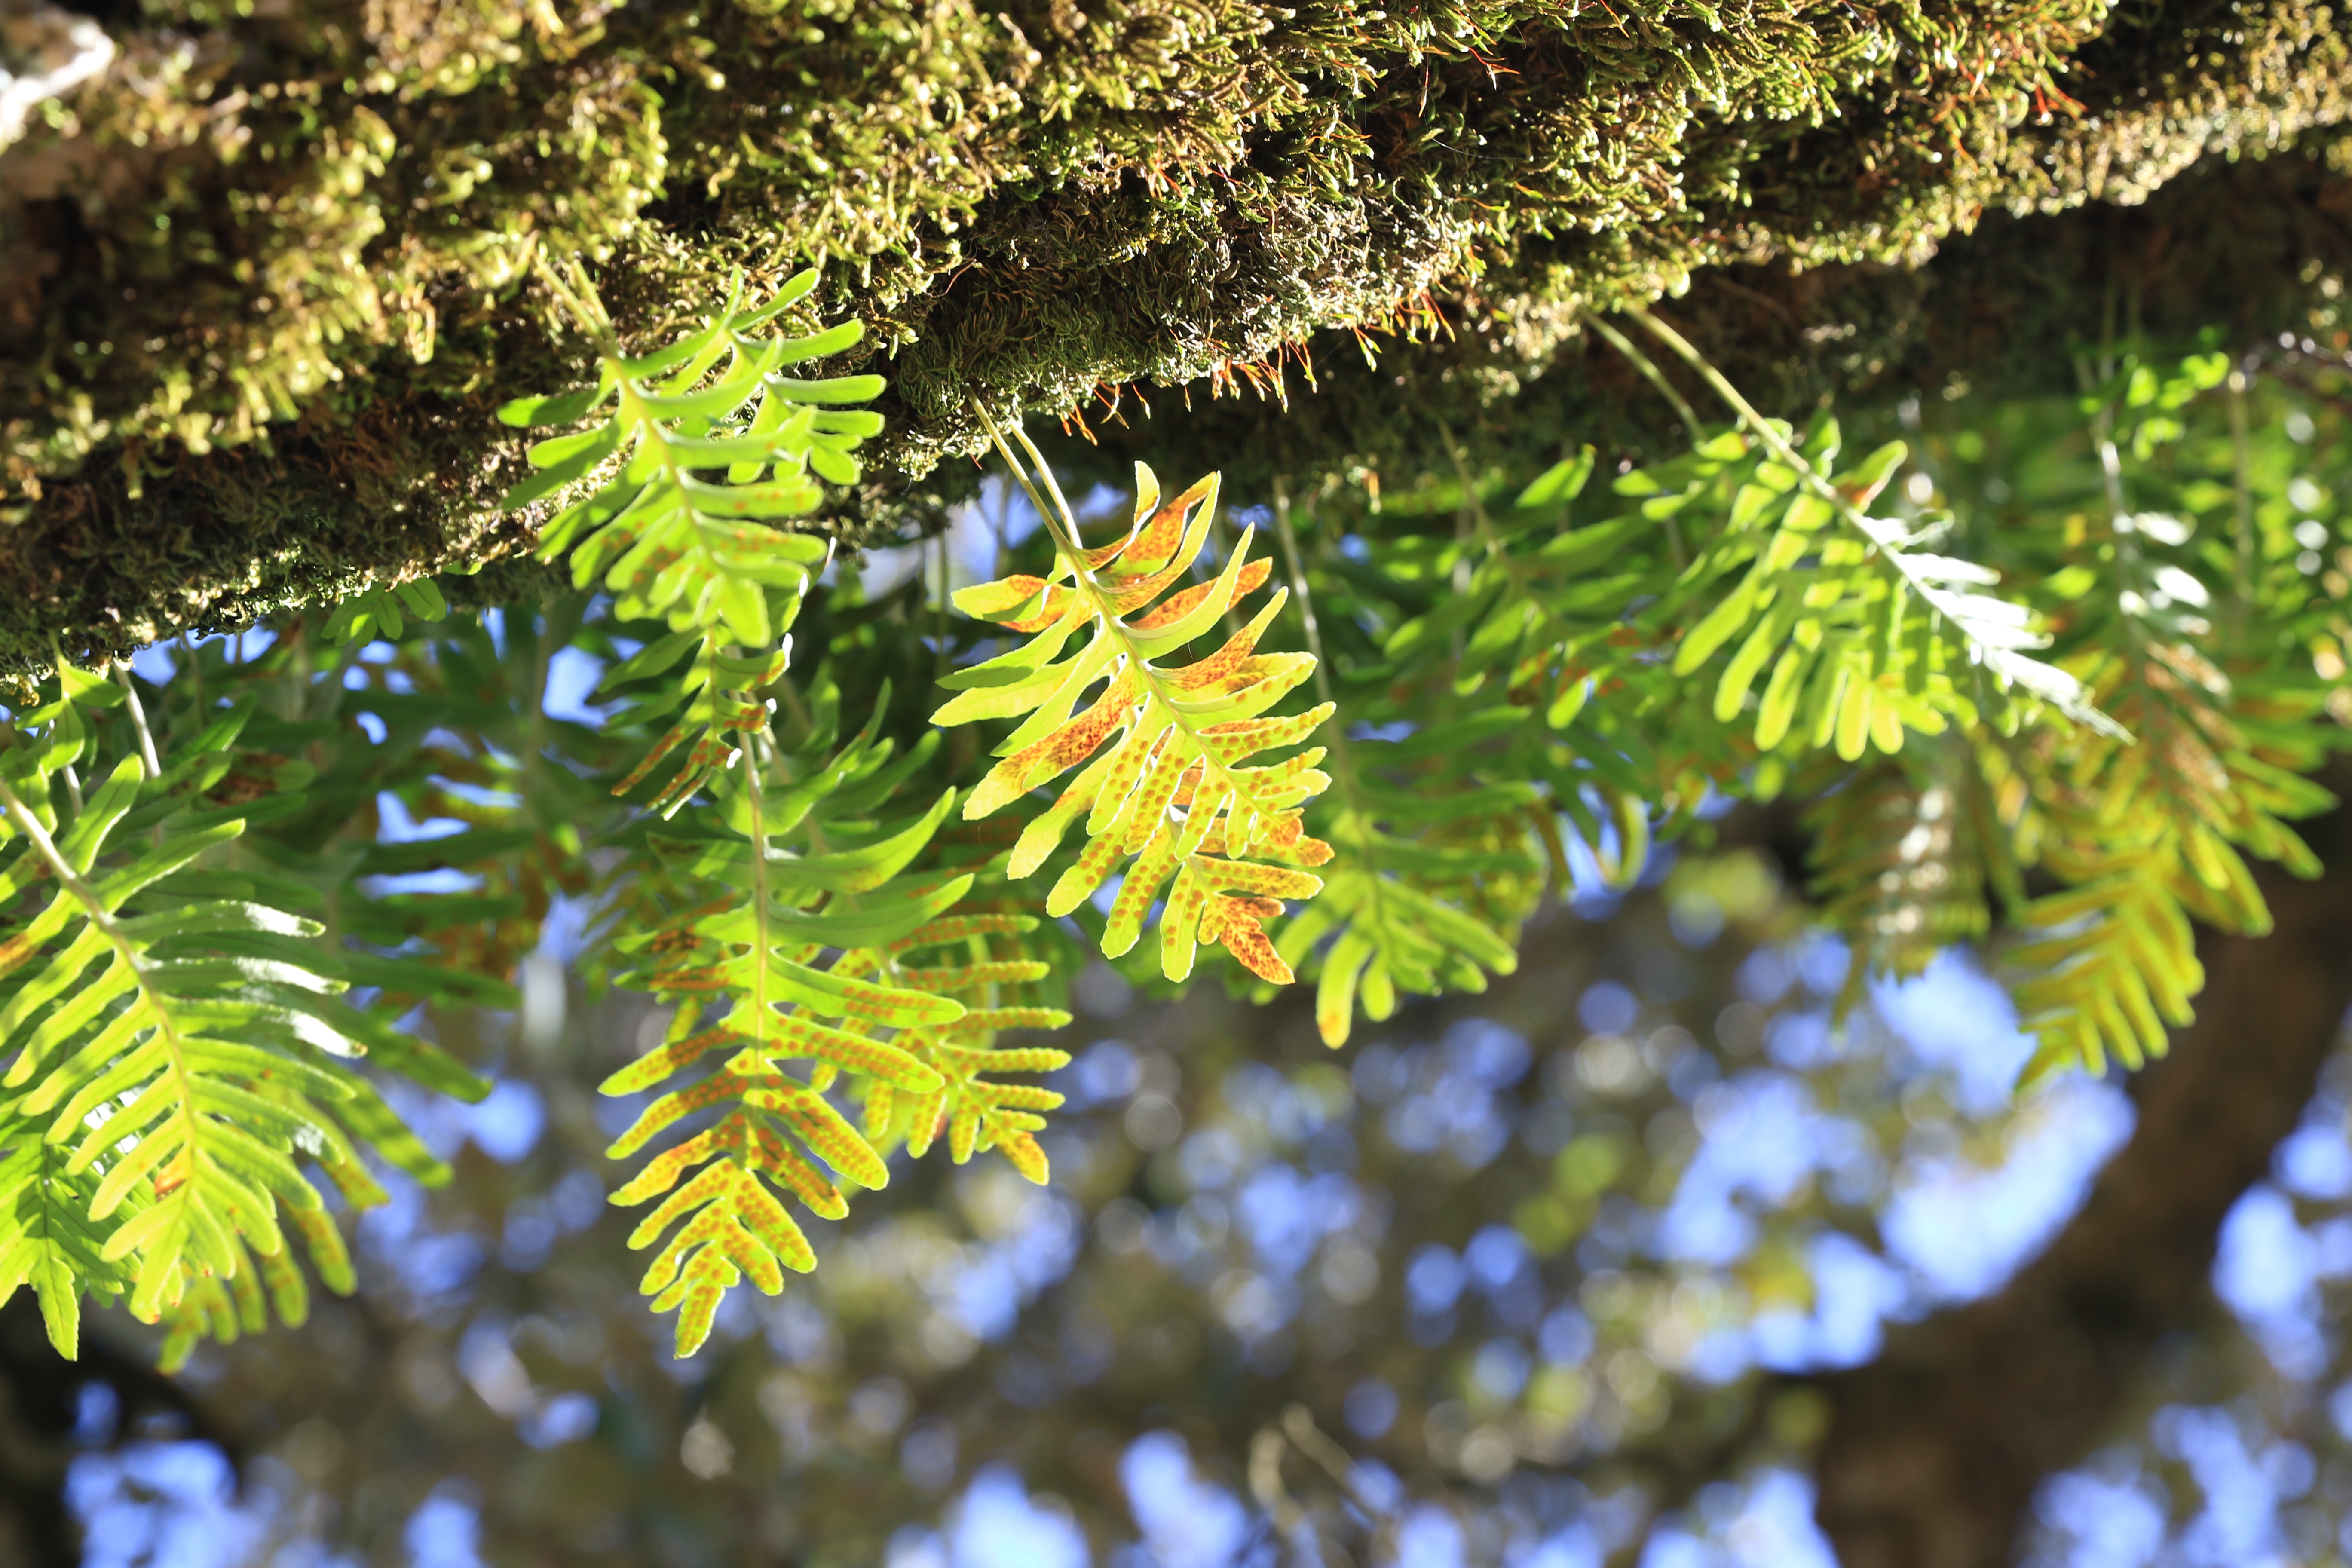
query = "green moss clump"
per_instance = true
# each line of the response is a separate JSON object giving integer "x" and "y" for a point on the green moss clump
{"x": 260, "y": 280}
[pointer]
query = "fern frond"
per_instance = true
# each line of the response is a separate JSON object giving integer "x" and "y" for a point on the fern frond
{"x": 2147, "y": 837}
{"x": 177, "y": 1055}
{"x": 697, "y": 552}
{"x": 1426, "y": 867}
{"x": 1898, "y": 615}
{"x": 2217, "y": 688}
{"x": 47, "y": 1238}
{"x": 385, "y": 612}
{"x": 1173, "y": 790}
{"x": 174, "y": 1036}
{"x": 462, "y": 737}
{"x": 717, "y": 703}
{"x": 974, "y": 1113}
{"x": 706, "y": 445}
{"x": 1904, "y": 856}
{"x": 1427, "y": 896}
{"x": 786, "y": 864}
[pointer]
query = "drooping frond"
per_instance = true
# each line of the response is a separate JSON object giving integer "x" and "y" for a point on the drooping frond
{"x": 1906, "y": 854}
{"x": 460, "y": 738}
{"x": 2216, "y": 685}
{"x": 2148, "y": 838}
{"x": 175, "y": 1041}
{"x": 706, "y": 445}
{"x": 975, "y": 1112}
{"x": 786, "y": 865}
{"x": 1173, "y": 789}
{"x": 1854, "y": 620}
{"x": 712, "y": 699}
{"x": 1426, "y": 893}
{"x": 668, "y": 544}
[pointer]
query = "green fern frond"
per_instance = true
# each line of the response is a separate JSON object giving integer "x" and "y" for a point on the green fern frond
{"x": 1904, "y": 856}
{"x": 385, "y": 612}
{"x": 2217, "y": 688}
{"x": 47, "y": 1238}
{"x": 464, "y": 738}
{"x": 786, "y": 863}
{"x": 1860, "y": 621}
{"x": 1410, "y": 914}
{"x": 1173, "y": 790}
{"x": 173, "y": 1052}
{"x": 669, "y": 545}
{"x": 706, "y": 445}
{"x": 2147, "y": 837}
{"x": 974, "y": 1113}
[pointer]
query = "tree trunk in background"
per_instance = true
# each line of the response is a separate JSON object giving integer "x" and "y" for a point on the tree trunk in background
{"x": 1936, "y": 1449}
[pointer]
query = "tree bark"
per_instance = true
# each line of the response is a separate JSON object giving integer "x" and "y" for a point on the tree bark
{"x": 1934, "y": 1450}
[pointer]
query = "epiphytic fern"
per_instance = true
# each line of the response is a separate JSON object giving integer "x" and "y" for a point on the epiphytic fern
{"x": 2217, "y": 688}
{"x": 2147, "y": 835}
{"x": 1409, "y": 894}
{"x": 669, "y": 545}
{"x": 1864, "y": 633}
{"x": 975, "y": 1112}
{"x": 175, "y": 1040}
{"x": 1172, "y": 789}
{"x": 453, "y": 727}
{"x": 698, "y": 553}
{"x": 785, "y": 866}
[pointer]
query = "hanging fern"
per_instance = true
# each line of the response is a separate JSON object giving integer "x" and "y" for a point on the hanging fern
{"x": 1859, "y": 622}
{"x": 2215, "y": 684}
{"x": 464, "y": 740}
{"x": 698, "y": 553}
{"x": 785, "y": 864}
{"x": 1172, "y": 790}
{"x": 177, "y": 1043}
{"x": 203, "y": 924}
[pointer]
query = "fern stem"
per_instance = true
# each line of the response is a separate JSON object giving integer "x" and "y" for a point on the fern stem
{"x": 1298, "y": 586}
{"x": 1657, "y": 378}
{"x": 149, "y": 763}
{"x": 1650, "y": 371}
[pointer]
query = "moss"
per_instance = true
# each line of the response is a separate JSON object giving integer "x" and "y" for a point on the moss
{"x": 260, "y": 279}
{"x": 2246, "y": 250}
